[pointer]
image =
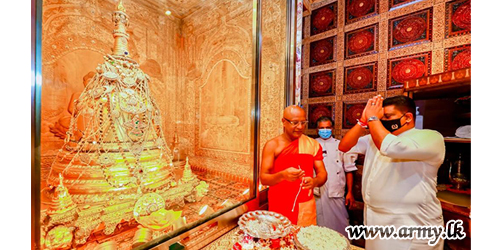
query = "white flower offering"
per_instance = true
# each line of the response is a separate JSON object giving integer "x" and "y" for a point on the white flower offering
{"x": 321, "y": 238}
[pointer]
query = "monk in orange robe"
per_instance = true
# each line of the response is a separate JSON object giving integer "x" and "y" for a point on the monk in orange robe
{"x": 289, "y": 162}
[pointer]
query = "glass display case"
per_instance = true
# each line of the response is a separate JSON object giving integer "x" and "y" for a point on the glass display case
{"x": 146, "y": 120}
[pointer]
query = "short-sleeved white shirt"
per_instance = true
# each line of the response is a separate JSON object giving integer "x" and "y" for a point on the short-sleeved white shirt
{"x": 399, "y": 180}
{"x": 337, "y": 163}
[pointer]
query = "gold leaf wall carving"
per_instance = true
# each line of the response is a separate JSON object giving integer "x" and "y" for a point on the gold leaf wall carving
{"x": 273, "y": 73}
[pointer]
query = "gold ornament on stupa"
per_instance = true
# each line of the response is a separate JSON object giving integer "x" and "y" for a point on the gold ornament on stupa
{"x": 187, "y": 174}
{"x": 60, "y": 207}
{"x": 61, "y": 201}
{"x": 114, "y": 152}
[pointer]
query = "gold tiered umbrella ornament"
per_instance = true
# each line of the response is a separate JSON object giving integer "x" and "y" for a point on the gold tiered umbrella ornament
{"x": 114, "y": 153}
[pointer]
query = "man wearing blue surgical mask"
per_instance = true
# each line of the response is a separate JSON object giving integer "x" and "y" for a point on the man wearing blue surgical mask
{"x": 400, "y": 170}
{"x": 330, "y": 201}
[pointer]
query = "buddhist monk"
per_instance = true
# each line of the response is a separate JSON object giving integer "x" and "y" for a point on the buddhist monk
{"x": 289, "y": 162}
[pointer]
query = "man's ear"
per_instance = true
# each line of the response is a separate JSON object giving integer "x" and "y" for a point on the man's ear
{"x": 409, "y": 117}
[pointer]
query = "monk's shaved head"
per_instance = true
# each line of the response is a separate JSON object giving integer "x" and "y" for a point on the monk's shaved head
{"x": 294, "y": 121}
{"x": 293, "y": 111}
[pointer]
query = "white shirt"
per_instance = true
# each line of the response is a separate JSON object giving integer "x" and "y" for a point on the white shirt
{"x": 336, "y": 164}
{"x": 400, "y": 180}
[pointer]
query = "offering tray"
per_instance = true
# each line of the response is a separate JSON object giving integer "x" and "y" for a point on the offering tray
{"x": 265, "y": 224}
{"x": 325, "y": 237}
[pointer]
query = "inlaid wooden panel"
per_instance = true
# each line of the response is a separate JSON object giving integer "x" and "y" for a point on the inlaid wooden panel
{"x": 356, "y": 10}
{"x": 458, "y": 57}
{"x": 323, "y": 51}
{"x": 406, "y": 68}
{"x": 352, "y": 112}
{"x": 318, "y": 110}
{"x": 410, "y": 29}
{"x": 361, "y": 42}
{"x": 360, "y": 78}
{"x": 324, "y": 19}
{"x": 322, "y": 83}
{"x": 458, "y": 18}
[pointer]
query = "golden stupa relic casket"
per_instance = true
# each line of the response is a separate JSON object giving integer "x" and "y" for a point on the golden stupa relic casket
{"x": 158, "y": 145}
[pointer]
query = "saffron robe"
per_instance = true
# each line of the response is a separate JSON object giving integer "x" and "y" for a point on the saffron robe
{"x": 282, "y": 196}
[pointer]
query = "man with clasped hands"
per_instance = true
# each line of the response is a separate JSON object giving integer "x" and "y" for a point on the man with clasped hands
{"x": 400, "y": 170}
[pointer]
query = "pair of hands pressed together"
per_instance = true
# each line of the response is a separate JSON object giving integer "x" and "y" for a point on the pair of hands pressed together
{"x": 373, "y": 108}
{"x": 292, "y": 174}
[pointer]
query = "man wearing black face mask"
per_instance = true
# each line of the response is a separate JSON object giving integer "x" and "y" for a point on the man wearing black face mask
{"x": 400, "y": 170}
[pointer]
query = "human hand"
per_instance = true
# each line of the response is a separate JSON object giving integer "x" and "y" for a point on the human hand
{"x": 292, "y": 174}
{"x": 308, "y": 183}
{"x": 363, "y": 118}
{"x": 374, "y": 107}
{"x": 349, "y": 200}
{"x": 316, "y": 192}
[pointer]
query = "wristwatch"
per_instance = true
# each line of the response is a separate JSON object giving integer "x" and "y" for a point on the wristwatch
{"x": 372, "y": 118}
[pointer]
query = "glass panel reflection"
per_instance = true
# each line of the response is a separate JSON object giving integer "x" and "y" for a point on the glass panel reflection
{"x": 146, "y": 118}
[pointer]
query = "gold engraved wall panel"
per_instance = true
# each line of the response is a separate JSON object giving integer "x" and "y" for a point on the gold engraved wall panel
{"x": 219, "y": 48}
{"x": 224, "y": 43}
{"x": 225, "y": 108}
{"x": 272, "y": 87}
{"x": 440, "y": 29}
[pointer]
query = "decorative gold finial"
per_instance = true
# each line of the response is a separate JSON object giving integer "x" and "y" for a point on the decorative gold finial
{"x": 60, "y": 179}
{"x": 187, "y": 175}
{"x": 120, "y": 6}
{"x": 120, "y": 18}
